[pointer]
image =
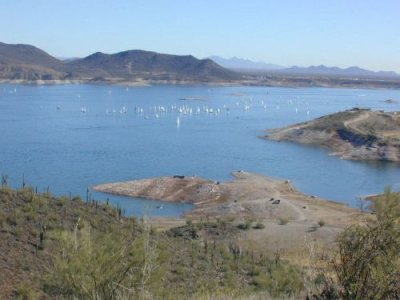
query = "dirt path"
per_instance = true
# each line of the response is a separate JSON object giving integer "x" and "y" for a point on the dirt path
{"x": 349, "y": 124}
{"x": 301, "y": 216}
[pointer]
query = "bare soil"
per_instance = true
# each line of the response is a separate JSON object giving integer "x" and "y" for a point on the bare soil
{"x": 249, "y": 198}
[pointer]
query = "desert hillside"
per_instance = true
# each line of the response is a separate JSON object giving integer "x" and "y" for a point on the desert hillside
{"x": 28, "y": 63}
{"x": 359, "y": 134}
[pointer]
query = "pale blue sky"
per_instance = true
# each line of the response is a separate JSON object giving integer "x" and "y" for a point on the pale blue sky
{"x": 287, "y": 32}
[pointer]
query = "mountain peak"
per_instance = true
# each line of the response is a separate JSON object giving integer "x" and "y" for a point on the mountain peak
{"x": 141, "y": 64}
{"x": 30, "y": 63}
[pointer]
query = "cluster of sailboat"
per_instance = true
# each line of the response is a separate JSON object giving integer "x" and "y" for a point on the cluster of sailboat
{"x": 156, "y": 111}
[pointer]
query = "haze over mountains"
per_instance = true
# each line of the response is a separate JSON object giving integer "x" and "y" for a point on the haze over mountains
{"x": 236, "y": 63}
{"x": 239, "y": 64}
{"x": 335, "y": 71}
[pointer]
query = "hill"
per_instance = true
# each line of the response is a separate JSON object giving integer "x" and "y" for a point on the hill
{"x": 146, "y": 65}
{"x": 358, "y": 134}
{"x": 64, "y": 248}
{"x": 26, "y": 62}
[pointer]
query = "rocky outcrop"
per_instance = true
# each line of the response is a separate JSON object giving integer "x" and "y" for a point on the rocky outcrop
{"x": 358, "y": 134}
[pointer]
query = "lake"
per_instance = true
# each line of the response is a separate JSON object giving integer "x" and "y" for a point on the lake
{"x": 71, "y": 137}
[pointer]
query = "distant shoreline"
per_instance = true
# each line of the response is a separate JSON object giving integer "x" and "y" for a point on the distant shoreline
{"x": 27, "y": 64}
{"x": 281, "y": 83}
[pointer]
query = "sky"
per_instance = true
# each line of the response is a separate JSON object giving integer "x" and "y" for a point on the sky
{"x": 339, "y": 33}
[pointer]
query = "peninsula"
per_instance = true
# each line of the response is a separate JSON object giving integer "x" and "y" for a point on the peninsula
{"x": 358, "y": 134}
{"x": 270, "y": 202}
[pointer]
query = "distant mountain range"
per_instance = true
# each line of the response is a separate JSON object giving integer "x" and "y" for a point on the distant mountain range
{"x": 236, "y": 63}
{"x": 26, "y": 62}
{"x": 335, "y": 71}
{"x": 239, "y": 64}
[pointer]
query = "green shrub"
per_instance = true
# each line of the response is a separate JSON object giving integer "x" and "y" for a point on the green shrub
{"x": 280, "y": 280}
{"x": 5, "y": 190}
{"x": 368, "y": 264}
{"x": 244, "y": 226}
{"x": 77, "y": 199}
{"x": 259, "y": 225}
{"x": 15, "y": 217}
{"x": 61, "y": 201}
{"x": 3, "y": 218}
{"x": 283, "y": 220}
{"x": 92, "y": 263}
{"x": 25, "y": 292}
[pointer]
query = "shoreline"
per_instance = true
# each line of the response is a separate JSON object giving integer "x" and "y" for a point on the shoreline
{"x": 244, "y": 83}
{"x": 288, "y": 217}
{"x": 355, "y": 134}
{"x": 247, "y": 195}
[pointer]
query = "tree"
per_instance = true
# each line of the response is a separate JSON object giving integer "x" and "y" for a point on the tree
{"x": 105, "y": 265}
{"x": 368, "y": 264}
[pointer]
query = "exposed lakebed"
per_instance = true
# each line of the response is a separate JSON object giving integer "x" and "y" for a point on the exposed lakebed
{"x": 70, "y": 137}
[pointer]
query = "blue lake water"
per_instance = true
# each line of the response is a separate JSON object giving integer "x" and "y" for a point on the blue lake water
{"x": 132, "y": 133}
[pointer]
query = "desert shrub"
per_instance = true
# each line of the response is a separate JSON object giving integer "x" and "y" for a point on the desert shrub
{"x": 61, "y": 201}
{"x": 283, "y": 220}
{"x": 125, "y": 259}
{"x": 230, "y": 218}
{"x": 3, "y": 218}
{"x": 259, "y": 225}
{"x": 5, "y": 190}
{"x": 244, "y": 226}
{"x": 18, "y": 231}
{"x": 14, "y": 217}
{"x": 77, "y": 199}
{"x": 26, "y": 192}
{"x": 321, "y": 223}
{"x": 25, "y": 292}
{"x": 186, "y": 231}
{"x": 280, "y": 280}
{"x": 95, "y": 265}
{"x": 368, "y": 263}
{"x": 30, "y": 211}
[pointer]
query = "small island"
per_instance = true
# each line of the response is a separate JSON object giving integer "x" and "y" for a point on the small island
{"x": 358, "y": 134}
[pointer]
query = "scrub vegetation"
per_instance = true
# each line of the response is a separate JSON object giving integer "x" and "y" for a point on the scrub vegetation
{"x": 66, "y": 248}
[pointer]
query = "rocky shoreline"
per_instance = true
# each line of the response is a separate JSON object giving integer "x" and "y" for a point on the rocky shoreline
{"x": 247, "y": 195}
{"x": 247, "y": 198}
{"x": 357, "y": 134}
